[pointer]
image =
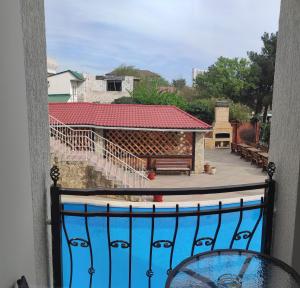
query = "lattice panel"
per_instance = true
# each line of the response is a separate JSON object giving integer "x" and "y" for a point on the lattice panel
{"x": 152, "y": 143}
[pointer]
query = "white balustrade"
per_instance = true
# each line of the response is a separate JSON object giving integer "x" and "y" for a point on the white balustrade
{"x": 85, "y": 145}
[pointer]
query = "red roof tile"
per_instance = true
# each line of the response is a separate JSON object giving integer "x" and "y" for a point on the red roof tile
{"x": 125, "y": 115}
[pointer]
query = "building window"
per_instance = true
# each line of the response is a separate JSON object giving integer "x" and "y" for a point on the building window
{"x": 114, "y": 85}
{"x": 74, "y": 88}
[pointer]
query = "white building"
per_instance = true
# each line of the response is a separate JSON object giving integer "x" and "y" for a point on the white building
{"x": 65, "y": 86}
{"x": 71, "y": 86}
{"x": 106, "y": 89}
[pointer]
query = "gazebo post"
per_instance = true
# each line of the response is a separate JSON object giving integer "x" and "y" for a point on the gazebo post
{"x": 193, "y": 151}
{"x": 199, "y": 152}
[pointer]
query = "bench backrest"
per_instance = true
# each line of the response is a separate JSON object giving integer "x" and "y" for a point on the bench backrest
{"x": 169, "y": 162}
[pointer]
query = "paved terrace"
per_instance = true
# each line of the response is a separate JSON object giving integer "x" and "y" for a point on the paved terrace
{"x": 231, "y": 170}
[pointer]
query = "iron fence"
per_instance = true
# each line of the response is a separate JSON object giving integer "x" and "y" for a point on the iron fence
{"x": 60, "y": 211}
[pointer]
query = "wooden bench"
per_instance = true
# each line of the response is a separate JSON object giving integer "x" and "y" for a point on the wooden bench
{"x": 167, "y": 164}
{"x": 257, "y": 159}
{"x": 244, "y": 153}
{"x": 265, "y": 160}
{"x": 250, "y": 154}
{"x": 241, "y": 149}
{"x": 234, "y": 147}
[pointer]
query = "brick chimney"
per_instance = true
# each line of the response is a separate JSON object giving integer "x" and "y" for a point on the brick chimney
{"x": 222, "y": 129}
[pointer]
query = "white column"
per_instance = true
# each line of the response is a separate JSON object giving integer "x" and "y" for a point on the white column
{"x": 23, "y": 143}
{"x": 285, "y": 136}
{"x": 199, "y": 152}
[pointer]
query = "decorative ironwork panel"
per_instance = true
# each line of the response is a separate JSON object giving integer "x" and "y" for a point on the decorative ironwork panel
{"x": 97, "y": 246}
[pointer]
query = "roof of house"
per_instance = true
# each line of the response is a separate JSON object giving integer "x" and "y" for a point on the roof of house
{"x": 76, "y": 74}
{"x": 115, "y": 77}
{"x": 125, "y": 116}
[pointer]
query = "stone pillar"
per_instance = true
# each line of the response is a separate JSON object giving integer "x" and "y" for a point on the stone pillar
{"x": 99, "y": 140}
{"x": 199, "y": 152}
{"x": 24, "y": 144}
{"x": 285, "y": 136}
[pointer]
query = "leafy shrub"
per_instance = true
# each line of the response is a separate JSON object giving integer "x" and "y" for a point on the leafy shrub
{"x": 239, "y": 112}
{"x": 265, "y": 133}
{"x": 147, "y": 92}
{"x": 125, "y": 70}
{"x": 125, "y": 100}
{"x": 202, "y": 109}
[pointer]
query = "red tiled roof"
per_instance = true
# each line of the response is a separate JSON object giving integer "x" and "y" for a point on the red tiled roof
{"x": 125, "y": 115}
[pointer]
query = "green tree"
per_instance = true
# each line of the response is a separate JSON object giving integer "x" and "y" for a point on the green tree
{"x": 265, "y": 133}
{"x": 239, "y": 112}
{"x": 124, "y": 70}
{"x": 204, "y": 109}
{"x": 179, "y": 83}
{"x": 147, "y": 92}
{"x": 227, "y": 78}
{"x": 188, "y": 93}
{"x": 262, "y": 73}
{"x": 125, "y": 100}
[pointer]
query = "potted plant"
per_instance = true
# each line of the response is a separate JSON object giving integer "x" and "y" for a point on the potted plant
{"x": 158, "y": 198}
{"x": 213, "y": 170}
{"x": 151, "y": 175}
{"x": 206, "y": 167}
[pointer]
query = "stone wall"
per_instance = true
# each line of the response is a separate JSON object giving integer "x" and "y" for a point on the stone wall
{"x": 77, "y": 174}
{"x": 221, "y": 114}
{"x": 209, "y": 143}
{"x": 199, "y": 152}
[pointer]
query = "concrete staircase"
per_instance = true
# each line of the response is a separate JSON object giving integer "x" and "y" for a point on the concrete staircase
{"x": 117, "y": 165}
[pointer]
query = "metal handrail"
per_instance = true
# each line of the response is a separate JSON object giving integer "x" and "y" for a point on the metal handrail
{"x": 57, "y": 132}
{"x": 95, "y": 143}
{"x": 130, "y": 168}
{"x": 100, "y": 137}
{"x": 162, "y": 191}
{"x": 89, "y": 145}
{"x": 240, "y": 233}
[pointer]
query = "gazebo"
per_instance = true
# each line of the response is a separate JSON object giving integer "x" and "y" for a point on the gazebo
{"x": 150, "y": 132}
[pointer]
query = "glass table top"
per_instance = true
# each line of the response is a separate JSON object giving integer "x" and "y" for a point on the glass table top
{"x": 232, "y": 269}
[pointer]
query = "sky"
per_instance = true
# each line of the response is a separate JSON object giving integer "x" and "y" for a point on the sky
{"x": 169, "y": 37}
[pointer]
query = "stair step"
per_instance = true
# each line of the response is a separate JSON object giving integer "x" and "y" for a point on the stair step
{"x": 61, "y": 147}
{"x": 93, "y": 159}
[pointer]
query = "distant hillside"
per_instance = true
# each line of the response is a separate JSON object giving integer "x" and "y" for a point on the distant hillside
{"x": 139, "y": 73}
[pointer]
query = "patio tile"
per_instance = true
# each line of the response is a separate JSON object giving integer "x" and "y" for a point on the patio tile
{"x": 231, "y": 170}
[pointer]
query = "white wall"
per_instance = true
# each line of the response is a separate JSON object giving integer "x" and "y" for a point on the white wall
{"x": 285, "y": 136}
{"x": 127, "y": 84}
{"x": 104, "y": 97}
{"x": 95, "y": 90}
{"x": 60, "y": 84}
{"x": 91, "y": 90}
{"x": 23, "y": 142}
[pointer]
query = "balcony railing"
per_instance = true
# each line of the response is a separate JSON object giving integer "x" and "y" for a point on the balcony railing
{"x": 102, "y": 246}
